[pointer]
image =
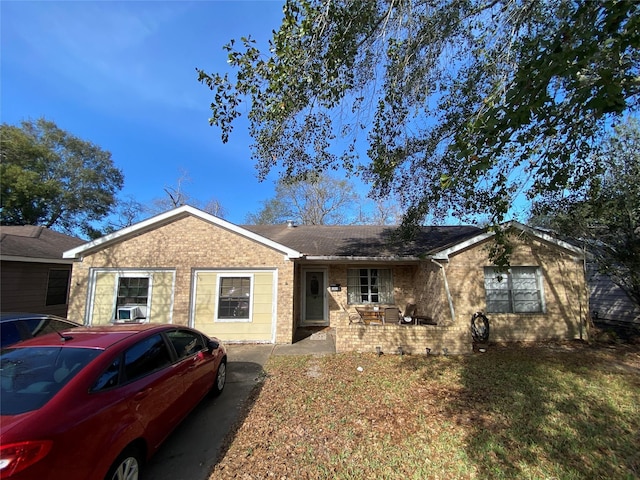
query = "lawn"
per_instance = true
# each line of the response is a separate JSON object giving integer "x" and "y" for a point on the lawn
{"x": 534, "y": 412}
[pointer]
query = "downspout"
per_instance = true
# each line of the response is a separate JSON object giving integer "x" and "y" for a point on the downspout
{"x": 587, "y": 297}
{"x": 446, "y": 289}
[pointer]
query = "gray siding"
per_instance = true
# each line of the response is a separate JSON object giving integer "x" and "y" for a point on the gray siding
{"x": 23, "y": 288}
{"x": 609, "y": 302}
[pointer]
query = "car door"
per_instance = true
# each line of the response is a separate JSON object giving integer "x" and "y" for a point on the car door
{"x": 194, "y": 363}
{"x": 154, "y": 386}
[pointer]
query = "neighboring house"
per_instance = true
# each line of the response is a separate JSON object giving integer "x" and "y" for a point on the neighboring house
{"x": 260, "y": 283}
{"x": 610, "y": 303}
{"x": 33, "y": 275}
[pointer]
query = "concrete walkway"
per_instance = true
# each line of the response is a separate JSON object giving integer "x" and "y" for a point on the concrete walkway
{"x": 310, "y": 341}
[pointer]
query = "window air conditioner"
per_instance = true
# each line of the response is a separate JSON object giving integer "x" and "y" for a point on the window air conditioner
{"x": 129, "y": 314}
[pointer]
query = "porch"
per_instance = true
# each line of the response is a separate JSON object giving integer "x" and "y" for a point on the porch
{"x": 391, "y": 339}
{"x": 403, "y": 339}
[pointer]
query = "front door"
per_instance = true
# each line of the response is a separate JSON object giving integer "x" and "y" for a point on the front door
{"x": 314, "y": 308}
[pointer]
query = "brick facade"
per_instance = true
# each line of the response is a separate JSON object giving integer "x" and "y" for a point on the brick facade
{"x": 449, "y": 290}
{"x": 183, "y": 245}
{"x": 564, "y": 289}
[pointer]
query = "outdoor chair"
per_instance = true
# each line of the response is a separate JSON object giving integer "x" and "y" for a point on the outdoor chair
{"x": 354, "y": 317}
{"x": 391, "y": 315}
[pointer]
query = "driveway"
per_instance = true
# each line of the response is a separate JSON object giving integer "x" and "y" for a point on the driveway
{"x": 192, "y": 449}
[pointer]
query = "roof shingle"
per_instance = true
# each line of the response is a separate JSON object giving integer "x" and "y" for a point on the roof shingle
{"x": 35, "y": 242}
{"x": 362, "y": 240}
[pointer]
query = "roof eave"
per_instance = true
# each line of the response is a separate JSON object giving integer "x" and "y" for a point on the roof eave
{"x": 356, "y": 259}
{"x": 445, "y": 253}
{"x": 20, "y": 258}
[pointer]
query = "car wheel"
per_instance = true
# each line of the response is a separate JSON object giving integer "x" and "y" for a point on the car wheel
{"x": 221, "y": 378}
{"x": 127, "y": 466}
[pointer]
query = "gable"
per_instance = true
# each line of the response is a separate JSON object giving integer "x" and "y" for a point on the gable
{"x": 185, "y": 242}
{"x": 158, "y": 222}
{"x": 514, "y": 228}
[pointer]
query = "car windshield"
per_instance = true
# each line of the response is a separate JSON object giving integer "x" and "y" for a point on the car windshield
{"x": 31, "y": 376}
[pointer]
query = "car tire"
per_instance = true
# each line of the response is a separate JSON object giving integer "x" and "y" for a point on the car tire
{"x": 221, "y": 378}
{"x": 128, "y": 466}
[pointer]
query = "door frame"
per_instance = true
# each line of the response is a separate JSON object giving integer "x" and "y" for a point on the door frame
{"x": 325, "y": 304}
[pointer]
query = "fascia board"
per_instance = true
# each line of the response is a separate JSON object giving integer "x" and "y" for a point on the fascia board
{"x": 470, "y": 242}
{"x": 338, "y": 258}
{"x": 444, "y": 254}
{"x": 551, "y": 239}
{"x": 15, "y": 258}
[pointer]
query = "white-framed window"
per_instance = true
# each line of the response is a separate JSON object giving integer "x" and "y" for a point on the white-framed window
{"x": 150, "y": 291}
{"x": 234, "y": 297}
{"x": 369, "y": 285}
{"x": 132, "y": 296}
{"x": 519, "y": 290}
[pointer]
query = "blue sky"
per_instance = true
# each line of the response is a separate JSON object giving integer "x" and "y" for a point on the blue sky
{"x": 122, "y": 75}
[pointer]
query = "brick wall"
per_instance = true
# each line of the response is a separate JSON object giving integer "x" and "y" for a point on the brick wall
{"x": 414, "y": 339}
{"x": 185, "y": 244}
{"x": 564, "y": 288}
{"x": 563, "y": 284}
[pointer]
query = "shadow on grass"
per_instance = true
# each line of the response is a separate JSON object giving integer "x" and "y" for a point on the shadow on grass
{"x": 536, "y": 413}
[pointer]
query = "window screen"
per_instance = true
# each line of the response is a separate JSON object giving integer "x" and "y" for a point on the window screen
{"x": 516, "y": 291}
{"x": 234, "y": 297}
{"x": 133, "y": 291}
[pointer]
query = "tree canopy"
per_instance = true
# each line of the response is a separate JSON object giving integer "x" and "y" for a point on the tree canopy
{"x": 605, "y": 212}
{"x": 316, "y": 200}
{"x": 54, "y": 179}
{"x": 460, "y": 105}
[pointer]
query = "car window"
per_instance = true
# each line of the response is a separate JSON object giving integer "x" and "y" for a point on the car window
{"x": 31, "y": 376}
{"x": 109, "y": 377}
{"x": 41, "y": 326}
{"x": 185, "y": 342}
{"x": 9, "y": 333}
{"x": 146, "y": 357}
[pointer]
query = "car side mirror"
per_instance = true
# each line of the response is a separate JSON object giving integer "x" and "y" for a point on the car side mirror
{"x": 212, "y": 345}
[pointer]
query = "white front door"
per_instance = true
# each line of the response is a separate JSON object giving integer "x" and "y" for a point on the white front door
{"x": 314, "y": 297}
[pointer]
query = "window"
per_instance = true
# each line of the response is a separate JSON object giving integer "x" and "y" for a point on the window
{"x": 133, "y": 291}
{"x": 42, "y": 326}
{"x": 234, "y": 298}
{"x": 57, "y": 287}
{"x": 146, "y": 357}
{"x": 186, "y": 343}
{"x": 369, "y": 285}
{"x": 517, "y": 291}
{"x": 34, "y": 375}
{"x": 109, "y": 377}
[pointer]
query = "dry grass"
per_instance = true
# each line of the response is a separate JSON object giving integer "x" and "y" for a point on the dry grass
{"x": 538, "y": 412}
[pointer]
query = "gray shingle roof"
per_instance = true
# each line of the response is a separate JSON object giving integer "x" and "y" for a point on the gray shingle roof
{"x": 35, "y": 242}
{"x": 362, "y": 240}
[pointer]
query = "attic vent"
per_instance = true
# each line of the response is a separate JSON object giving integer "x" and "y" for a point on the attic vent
{"x": 290, "y": 224}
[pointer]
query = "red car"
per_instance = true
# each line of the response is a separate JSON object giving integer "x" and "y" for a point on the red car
{"x": 97, "y": 402}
